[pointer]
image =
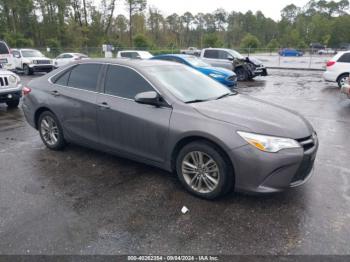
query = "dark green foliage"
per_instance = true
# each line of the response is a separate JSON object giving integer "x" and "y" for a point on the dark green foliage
{"x": 79, "y": 24}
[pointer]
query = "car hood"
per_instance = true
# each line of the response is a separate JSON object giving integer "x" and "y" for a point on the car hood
{"x": 38, "y": 58}
{"x": 216, "y": 70}
{"x": 256, "y": 116}
{"x": 255, "y": 61}
{"x": 5, "y": 72}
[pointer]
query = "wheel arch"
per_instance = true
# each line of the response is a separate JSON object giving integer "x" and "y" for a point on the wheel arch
{"x": 342, "y": 74}
{"x": 189, "y": 139}
{"x": 37, "y": 114}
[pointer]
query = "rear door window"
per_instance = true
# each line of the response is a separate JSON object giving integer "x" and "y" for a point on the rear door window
{"x": 211, "y": 54}
{"x": 124, "y": 82}
{"x": 345, "y": 58}
{"x": 4, "y": 48}
{"x": 62, "y": 79}
{"x": 85, "y": 76}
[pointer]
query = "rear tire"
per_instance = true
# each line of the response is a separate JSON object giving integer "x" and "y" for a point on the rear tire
{"x": 204, "y": 170}
{"x": 343, "y": 79}
{"x": 13, "y": 103}
{"x": 50, "y": 131}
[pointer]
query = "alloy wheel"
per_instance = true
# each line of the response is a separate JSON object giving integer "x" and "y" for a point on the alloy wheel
{"x": 344, "y": 80}
{"x": 49, "y": 130}
{"x": 200, "y": 171}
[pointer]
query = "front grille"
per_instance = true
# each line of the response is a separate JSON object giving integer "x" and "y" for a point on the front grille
{"x": 304, "y": 169}
{"x": 43, "y": 62}
{"x": 309, "y": 145}
{"x": 307, "y": 142}
{"x": 4, "y": 82}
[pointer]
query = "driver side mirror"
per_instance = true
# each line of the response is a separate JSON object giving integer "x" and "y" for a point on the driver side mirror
{"x": 17, "y": 56}
{"x": 148, "y": 98}
{"x": 230, "y": 58}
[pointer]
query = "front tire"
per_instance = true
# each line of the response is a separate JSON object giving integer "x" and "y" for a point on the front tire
{"x": 51, "y": 132}
{"x": 27, "y": 71}
{"x": 204, "y": 170}
{"x": 343, "y": 80}
{"x": 242, "y": 74}
{"x": 13, "y": 103}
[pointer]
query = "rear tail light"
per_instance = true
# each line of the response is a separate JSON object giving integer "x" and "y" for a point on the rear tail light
{"x": 330, "y": 63}
{"x": 26, "y": 90}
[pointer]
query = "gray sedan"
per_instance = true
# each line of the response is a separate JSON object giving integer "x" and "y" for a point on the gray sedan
{"x": 175, "y": 118}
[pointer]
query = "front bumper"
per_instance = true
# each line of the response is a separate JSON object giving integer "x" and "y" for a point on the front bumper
{"x": 260, "y": 71}
{"x": 10, "y": 95}
{"x": 41, "y": 68}
{"x": 261, "y": 172}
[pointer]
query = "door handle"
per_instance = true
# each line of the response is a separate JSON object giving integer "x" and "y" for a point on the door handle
{"x": 55, "y": 93}
{"x": 104, "y": 105}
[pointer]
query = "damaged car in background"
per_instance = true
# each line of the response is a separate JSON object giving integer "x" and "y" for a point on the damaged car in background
{"x": 246, "y": 68}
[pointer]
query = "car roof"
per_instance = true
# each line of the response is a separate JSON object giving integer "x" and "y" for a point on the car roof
{"x": 133, "y": 51}
{"x": 213, "y": 48}
{"x": 134, "y": 63}
{"x": 183, "y": 56}
{"x": 25, "y": 49}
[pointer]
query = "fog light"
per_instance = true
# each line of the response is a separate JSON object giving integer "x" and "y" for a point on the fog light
{"x": 9, "y": 96}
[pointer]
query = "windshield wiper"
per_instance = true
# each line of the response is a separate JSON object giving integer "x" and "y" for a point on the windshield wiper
{"x": 197, "y": 101}
{"x": 227, "y": 94}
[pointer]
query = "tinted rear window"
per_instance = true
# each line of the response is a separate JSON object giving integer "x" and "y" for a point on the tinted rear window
{"x": 63, "y": 78}
{"x": 125, "y": 82}
{"x": 4, "y": 49}
{"x": 129, "y": 55}
{"x": 84, "y": 76}
{"x": 345, "y": 58}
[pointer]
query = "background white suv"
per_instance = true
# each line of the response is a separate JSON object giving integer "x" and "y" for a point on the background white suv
{"x": 338, "y": 68}
{"x": 31, "y": 60}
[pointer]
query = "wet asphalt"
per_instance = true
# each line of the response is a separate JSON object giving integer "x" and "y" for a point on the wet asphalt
{"x": 80, "y": 201}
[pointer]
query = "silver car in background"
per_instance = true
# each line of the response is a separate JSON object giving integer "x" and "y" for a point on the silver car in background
{"x": 175, "y": 118}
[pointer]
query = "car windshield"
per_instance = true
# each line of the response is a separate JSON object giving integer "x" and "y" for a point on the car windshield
{"x": 32, "y": 53}
{"x": 235, "y": 54}
{"x": 196, "y": 62}
{"x": 188, "y": 84}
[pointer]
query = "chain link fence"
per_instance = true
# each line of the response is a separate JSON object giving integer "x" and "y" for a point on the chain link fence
{"x": 274, "y": 58}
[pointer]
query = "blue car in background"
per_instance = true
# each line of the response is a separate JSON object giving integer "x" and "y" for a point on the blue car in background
{"x": 290, "y": 52}
{"x": 221, "y": 75}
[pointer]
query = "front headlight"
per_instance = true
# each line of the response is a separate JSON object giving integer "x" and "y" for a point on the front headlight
{"x": 13, "y": 79}
{"x": 270, "y": 144}
{"x": 34, "y": 61}
{"x": 216, "y": 75}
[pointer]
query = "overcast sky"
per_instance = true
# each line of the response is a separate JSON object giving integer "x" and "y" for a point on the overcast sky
{"x": 271, "y": 8}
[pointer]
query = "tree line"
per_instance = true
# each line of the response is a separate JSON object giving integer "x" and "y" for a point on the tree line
{"x": 81, "y": 23}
